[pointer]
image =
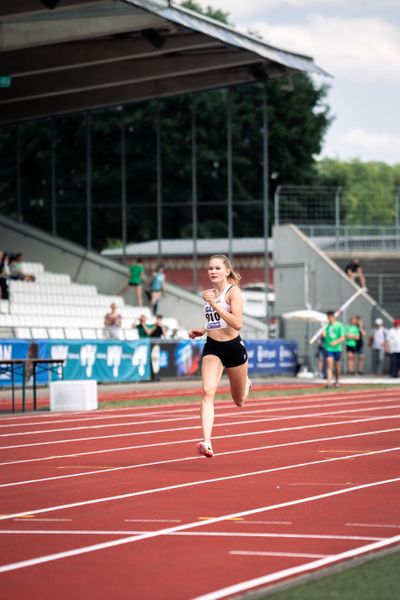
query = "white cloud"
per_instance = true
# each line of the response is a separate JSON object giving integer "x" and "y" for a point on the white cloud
{"x": 364, "y": 49}
{"x": 361, "y": 144}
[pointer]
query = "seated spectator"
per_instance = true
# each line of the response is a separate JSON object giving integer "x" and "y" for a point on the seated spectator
{"x": 144, "y": 331}
{"x": 393, "y": 347}
{"x": 158, "y": 330}
{"x": 16, "y": 271}
{"x": 354, "y": 271}
{"x": 112, "y": 323}
{"x": 4, "y": 275}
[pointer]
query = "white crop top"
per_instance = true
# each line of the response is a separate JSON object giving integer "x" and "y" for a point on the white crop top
{"x": 214, "y": 319}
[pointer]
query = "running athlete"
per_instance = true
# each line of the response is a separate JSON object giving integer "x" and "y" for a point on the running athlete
{"x": 223, "y": 309}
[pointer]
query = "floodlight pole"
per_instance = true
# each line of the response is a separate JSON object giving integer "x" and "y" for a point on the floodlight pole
{"x": 265, "y": 193}
{"x": 88, "y": 181}
{"x": 53, "y": 145}
{"x": 229, "y": 171}
{"x": 194, "y": 192}
{"x": 123, "y": 186}
{"x": 159, "y": 183}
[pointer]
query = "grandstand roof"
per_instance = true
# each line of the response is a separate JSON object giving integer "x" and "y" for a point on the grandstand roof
{"x": 88, "y": 54}
{"x": 205, "y": 247}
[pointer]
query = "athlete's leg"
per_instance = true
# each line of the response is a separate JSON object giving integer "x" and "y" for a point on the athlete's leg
{"x": 239, "y": 382}
{"x": 337, "y": 371}
{"x": 211, "y": 371}
{"x": 350, "y": 362}
{"x": 139, "y": 295}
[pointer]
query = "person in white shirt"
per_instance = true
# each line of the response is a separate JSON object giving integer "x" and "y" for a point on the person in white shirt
{"x": 393, "y": 347}
{"x": 377, "y": 343}
{"x": 223, "y": 310}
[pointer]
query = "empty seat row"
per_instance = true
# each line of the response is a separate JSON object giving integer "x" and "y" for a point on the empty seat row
{"x": 70, "y": 333}
{"x": 36, "y": 287}
{"x": 59, "y": 299}
{"x": 47, "y": 310}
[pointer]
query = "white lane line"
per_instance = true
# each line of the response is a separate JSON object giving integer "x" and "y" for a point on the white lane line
{"x": 153, "y": 534}
{"x": 191, "y": 440}
{"x": 226, "y": 424}
{"x": 100, "y": 471}
{"x": 284, "y": 554}
{"x": 300, "y": 536}
{"x": 153, "y": 520}
{"x": 36, "y": 520}
{"x": 246, "y": 522}
{"x": 372, "y": 525}
{"x": 292, "y": 572}
{"x": 195, "y": 416}
{"x": 196, "y": 483}
{"x": 55, "y": 418}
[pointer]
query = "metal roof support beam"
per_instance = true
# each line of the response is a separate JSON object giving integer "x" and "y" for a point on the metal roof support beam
{"x": 22, "y": 8}
{"x": 128, "y": 72}
{"x": 44, "y": 107}
{"x": 96, "y": 52}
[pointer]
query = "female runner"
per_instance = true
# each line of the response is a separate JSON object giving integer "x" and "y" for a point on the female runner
{"x": 223, "y": 308}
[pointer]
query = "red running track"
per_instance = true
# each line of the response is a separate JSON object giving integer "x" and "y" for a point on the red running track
{"x": 116, "y": 504}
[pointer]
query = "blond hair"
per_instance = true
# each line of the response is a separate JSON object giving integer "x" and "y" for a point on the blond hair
{"x": 233, "y": 277}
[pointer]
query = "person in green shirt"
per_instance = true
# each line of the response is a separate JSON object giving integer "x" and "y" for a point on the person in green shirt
{"x": 136, "y": 280}
{"x": 333, "y": 337}
{"x": 352, "y": 333}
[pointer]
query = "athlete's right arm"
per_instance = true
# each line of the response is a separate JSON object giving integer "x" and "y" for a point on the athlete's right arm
{"x": 194, "y": 333}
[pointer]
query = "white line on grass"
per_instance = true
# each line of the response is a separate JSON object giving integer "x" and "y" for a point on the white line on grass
{"x": 153, "y": 534}
{"x": 292, "y": 572}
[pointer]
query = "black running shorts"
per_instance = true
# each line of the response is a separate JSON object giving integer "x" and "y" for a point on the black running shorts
{"x": 232, "y": 353}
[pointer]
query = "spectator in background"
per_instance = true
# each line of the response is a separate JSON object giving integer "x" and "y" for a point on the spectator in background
{"x": 354, "y": 271}
{"x": 157, "y": 287}
{"x": 142, "y": 328}
{"x": 136, "y": 279}
{"x": 333, "y": 336}
{"x": 158, "y": 330}
{"x": 352, "y": 334}
{"x": 377, "y": 343}
{"x": 16, "y": 271}
{"x": 359, "y": 350}
{"x": 393, "y": 347}
{"x": 112, "y": 323}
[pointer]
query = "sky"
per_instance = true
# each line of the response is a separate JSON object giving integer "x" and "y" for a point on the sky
{"x": 358, "y": 43}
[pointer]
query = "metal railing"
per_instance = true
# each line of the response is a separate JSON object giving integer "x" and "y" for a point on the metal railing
{"x": 351, "y": 237}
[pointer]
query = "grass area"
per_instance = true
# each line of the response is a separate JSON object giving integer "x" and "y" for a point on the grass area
{"x": 376, "y": 579}
{"x": 295, "y": 391}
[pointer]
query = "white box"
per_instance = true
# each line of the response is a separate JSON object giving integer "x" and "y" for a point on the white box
{"x": 73, "y": 395}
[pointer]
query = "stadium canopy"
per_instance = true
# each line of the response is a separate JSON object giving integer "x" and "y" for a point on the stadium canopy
{"x": 63, "y": 56}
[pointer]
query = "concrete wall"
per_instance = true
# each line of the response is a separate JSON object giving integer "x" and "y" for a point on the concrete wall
{"x": 306, "y": 277}
{"x": 60, "y": 256}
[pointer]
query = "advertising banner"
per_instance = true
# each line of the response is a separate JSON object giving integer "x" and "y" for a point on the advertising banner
{"x": 115, "y": 361}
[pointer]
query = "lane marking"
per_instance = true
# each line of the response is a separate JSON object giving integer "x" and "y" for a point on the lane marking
{"x": 245, "y": 521}
{"x": 40, "y": 519}
{"x": 195, "y": 416}
{"x": 153, "y": 534}
{"x": 372, "y": 525}
{"x": 187, "y": 458}
{"x": 217, "y": 437}
{"x": 304, "y": 536}
{"x": 196, "y": 483}
{"x": 341, "y": 451}
{"x": 233, "y": 518}
{"x": 291, "y": 572}
{"x": 285, "y": 554}
{"x": 161, "y": 409}
{"x": 174, "y": 429}
{"x": 153, "y": 520}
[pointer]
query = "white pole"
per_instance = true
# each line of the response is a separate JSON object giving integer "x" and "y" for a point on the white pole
{"x": 338, "y": 312}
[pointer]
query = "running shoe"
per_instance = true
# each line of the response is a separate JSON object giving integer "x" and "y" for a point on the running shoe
{"x": 205, "y": 449}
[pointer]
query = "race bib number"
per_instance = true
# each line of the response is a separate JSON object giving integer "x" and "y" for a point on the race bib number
{"x": 214, "y": 320}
